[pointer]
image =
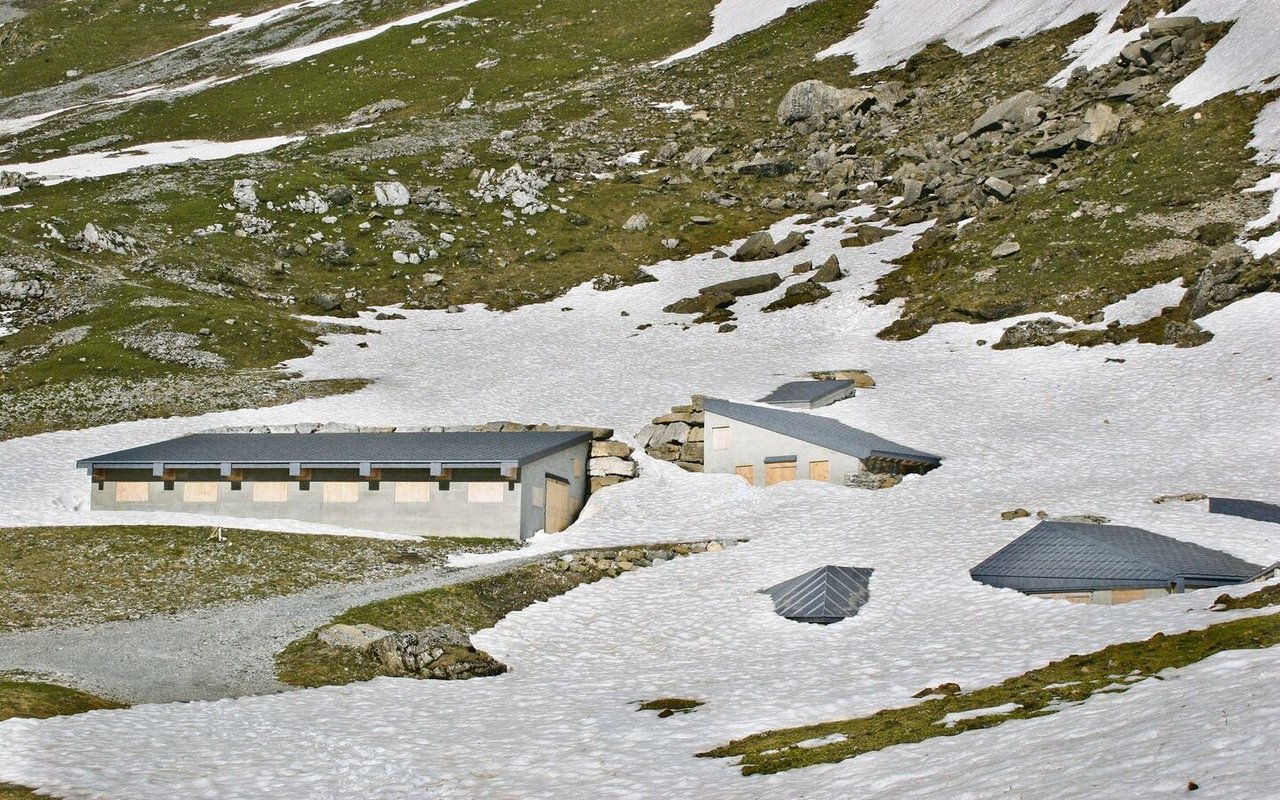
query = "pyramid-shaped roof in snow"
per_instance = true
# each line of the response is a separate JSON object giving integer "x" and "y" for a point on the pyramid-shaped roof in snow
{"x": 1078, "y": 556}
{"x": 824, "y": 595}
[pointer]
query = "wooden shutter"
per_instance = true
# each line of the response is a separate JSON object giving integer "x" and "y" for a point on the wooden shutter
{"x": 485, "y": 492}
{"x": 559, "y": 512}
{"x": 1119, "y": 596}
{"x": 819, "y": 470}
{"x": 270, "y": 491}
{"x": 747, "y": 472}
{"x": 133, "y": 492}
{"x": 413, "y": 491}
{"x": 779, "y": 473}
{"x": 200, "y": 492}
{"x": 341, "y": 491}
{"x": 720, "y": 438}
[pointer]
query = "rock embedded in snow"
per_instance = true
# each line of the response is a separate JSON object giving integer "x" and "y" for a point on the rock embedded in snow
{"x": 390, "y": 193}
{"x": 1030, "y": 333}
{"x": 757, "y": 247}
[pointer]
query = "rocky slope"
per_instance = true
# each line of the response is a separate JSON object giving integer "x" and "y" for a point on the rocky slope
{"x": 500, "y": 154}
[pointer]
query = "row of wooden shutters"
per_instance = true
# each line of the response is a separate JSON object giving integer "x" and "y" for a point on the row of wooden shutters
{"x": 781, "y": 473}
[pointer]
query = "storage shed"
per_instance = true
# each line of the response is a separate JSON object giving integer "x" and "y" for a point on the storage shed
{"x": 809, "y": 394}
{"x": 506, "y": 485}
{"x": 1107, "y": 564}
{"x": 766, "y": 445}
{"x": 822, "y": 596}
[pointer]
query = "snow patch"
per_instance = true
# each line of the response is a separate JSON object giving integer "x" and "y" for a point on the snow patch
{"x": 732, "y": 18}
{"x": 950, "y": 720}
{"x": 112, "y": 162}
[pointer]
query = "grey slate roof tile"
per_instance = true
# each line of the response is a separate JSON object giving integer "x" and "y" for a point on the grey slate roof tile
{"x": 345, "y": 448}
{"x": 1078, "y": 556}
{"x": 822, "y": 431}
{"x": 806, "y": 391}
{"x": 826, "y": 594}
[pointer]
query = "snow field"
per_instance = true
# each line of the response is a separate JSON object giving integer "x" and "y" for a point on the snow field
{"x": 1043, "y": 428}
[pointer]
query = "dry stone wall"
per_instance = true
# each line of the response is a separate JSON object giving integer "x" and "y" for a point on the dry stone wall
{"x": 677, "y": 436}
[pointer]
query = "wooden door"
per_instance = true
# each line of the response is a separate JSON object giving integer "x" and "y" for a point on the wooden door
{"x": 747, "y": 472}
{"x": 559, "y": 511}
{"x": 819, "y": 470}
{"x": 779, "y": 473}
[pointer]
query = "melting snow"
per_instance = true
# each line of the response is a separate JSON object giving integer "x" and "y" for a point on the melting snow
{"x": 1144, "y": 304}
{"x": 732, "y": 18}
{"x": 112, "y": 162}
{"x": 325, "y": 45}
{"x": 1044, "y": 428}
{"x": 950, "y": 720}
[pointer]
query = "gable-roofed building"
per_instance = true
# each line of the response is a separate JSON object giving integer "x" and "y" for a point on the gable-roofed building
{"x": 765, "y": 445}
{"x": 809, "y": 394}
{"x": 507, "y": 484}
{"x": 822, "y": 596}
{"x": 1107, "y": 564}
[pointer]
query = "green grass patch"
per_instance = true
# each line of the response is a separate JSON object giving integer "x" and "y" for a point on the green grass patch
{"x": 1266, "y": 596}
{"x": 670, "y": 706}
{"x": 9, "y": 791}
{"x": 36, "y": 700}
{"x": 468, "y": 607}
{"x": 79, "y": 575}
{"x": 1036, "y": 693}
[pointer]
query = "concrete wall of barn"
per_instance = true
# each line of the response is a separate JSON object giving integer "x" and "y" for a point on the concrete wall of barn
{"x": 570, "y": 465}
{"x": 749, "y": 444}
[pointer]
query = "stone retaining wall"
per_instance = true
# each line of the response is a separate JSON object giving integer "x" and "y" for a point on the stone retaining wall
{"x": 677, "y": 436}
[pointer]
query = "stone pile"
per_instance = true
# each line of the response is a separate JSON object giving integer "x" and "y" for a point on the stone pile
{"x": 677, "y": 436}
{"x": 438, "y": 653}
{"x": 625, "y": 559}
{"x": 610, "y": 463}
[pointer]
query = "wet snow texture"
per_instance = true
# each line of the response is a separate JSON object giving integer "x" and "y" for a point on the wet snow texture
{"x": 732, "y": 18}
{"x": 1053, "y": 428}
{"x": 113, "y": 162}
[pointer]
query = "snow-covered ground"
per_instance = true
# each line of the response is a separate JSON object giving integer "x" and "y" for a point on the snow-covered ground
{"x": 112, "y": 162}
{"x": 732, "y": 18}
{"x": 1061, "y": 429}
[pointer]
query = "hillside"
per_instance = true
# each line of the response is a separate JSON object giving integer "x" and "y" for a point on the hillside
{"x": 1048, "y": 233}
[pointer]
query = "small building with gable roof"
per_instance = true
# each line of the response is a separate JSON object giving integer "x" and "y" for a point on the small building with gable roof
{"x": 809, "y": 394}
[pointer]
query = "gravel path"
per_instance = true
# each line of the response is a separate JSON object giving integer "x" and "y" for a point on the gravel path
{"x": 207, "y": 654}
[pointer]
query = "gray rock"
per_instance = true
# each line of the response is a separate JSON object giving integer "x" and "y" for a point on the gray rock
{"x": 911, "y": 191}
{"x": 1055, "y": 146}
{"x": 1030, "y": 333}
{"x": 1100, "y": 121}
{"x": 698, "y": 157}
{"x": 1012, "y": 109}
{"x": 1006, "y": 249}
{"x": 799, "y": 294}
{"x": 1171, "y": 26}
{"x": 636, "y": 222}
{"x": 432, "y": 278}
{"x": 829, "y": 272}
{"x": 790, "y": 243}
{"x": 1130, "y": 88}
{"x": 816, "y": 101}
{"x": 998, "y": 187}
{"x": 757, "y": 247}
{"x": 353, "y": 637}
{"x": 741, "y": 287}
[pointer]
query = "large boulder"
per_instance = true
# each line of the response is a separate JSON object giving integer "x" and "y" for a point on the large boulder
{"x": 352, "y": 637}
{"x": 1100, "y": 121}
{"x": 817, "y": 101}
{"x": 757, "y": 247}
{"x": 799, "y": 294}
{"x": 441, "y": 652}
{"x": 703, "y": 303}
{"x": 391, "y": 193}
{"x": 1013, "y": 109}
{"x": 829, "y": 272}
{"x": 1030, "y": 333}
{"x": 741, "y": 287}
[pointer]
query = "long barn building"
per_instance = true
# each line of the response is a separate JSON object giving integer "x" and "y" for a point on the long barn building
{"x": 476, "y": 484}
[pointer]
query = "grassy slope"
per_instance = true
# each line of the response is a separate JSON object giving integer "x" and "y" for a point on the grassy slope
{"x": 1039, "y": 692}
{"x": 37, "y": 700}
{"x": 468, "y": 607}
{"x": 54, "y": 576}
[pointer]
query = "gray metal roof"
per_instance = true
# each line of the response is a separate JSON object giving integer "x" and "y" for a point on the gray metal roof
{"x": 824, "y": 595}
{"x": 822, "y": 431}
{"x": 807, "y": 393}
{"x": 1249, "y": 509}
{"x": 1079, "y": 556}
{"x": 343, "y": 449}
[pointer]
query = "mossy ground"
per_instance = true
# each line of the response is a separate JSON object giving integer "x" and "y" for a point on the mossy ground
{"x": 467, "y": 607}
{"x": 38, "y": 700}
{"x": 1037, "y": 693}
{"x": 670, "y": 706}
{"x": 79, "y": 575}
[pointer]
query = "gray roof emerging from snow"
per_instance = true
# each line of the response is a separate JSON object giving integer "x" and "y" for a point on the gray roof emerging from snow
{"x": 824, "y": 595}
{"x": 1079, "y": 556}
{"x": 1249, "y": 509}
{"x": 822, "y": 431}
{"x": 806, "y": 391}
{"x": 344, "y": 449}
